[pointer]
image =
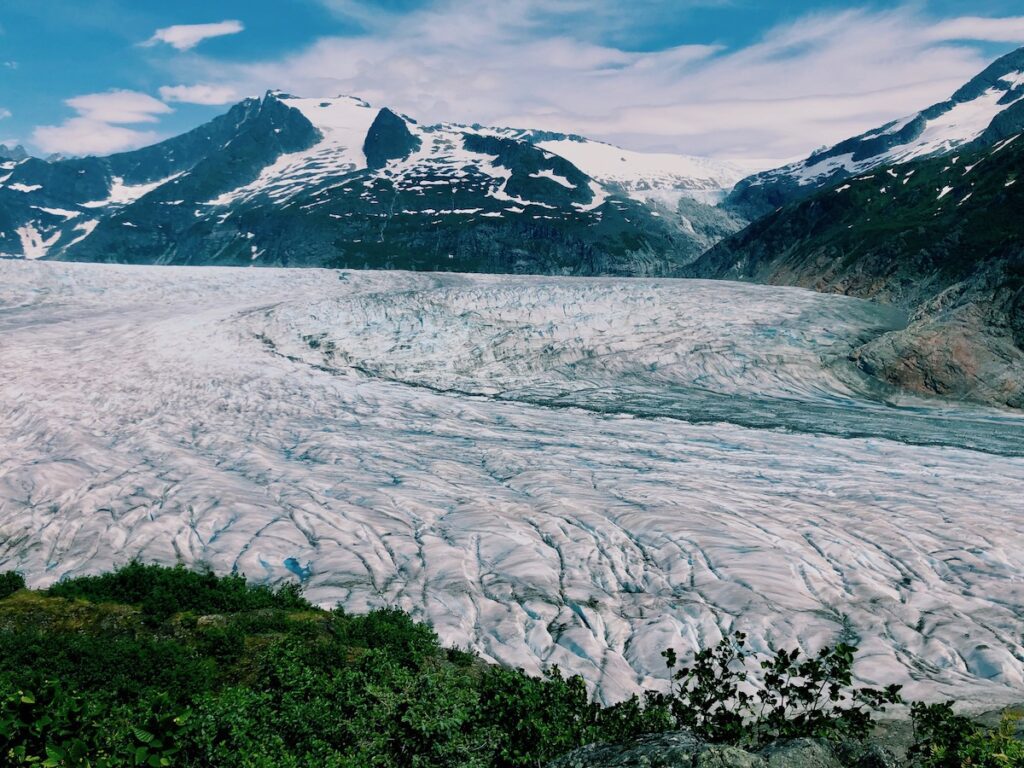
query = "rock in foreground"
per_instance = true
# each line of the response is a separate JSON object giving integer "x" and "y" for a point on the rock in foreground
{"x": 683, "y": 750}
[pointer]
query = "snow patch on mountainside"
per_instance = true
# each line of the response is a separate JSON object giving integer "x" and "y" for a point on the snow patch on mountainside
{"x": 86, "y": 228}
{"x": 125, "y": 194}
{"x": 343, "y": 122}
{"x": 549, "y": 174}
{"x": 961, "y": 124}
{"x": 441, "y": 158}
{"x": 952, "y": 125}
{"x": 33, "y": 244}
{"x": 442, "y": 155}
{"x": 63, "y": 213}
{"x": 662, "y": 177}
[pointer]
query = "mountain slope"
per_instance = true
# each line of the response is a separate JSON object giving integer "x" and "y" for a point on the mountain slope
{"x": 986, "y": 110}
{"x": 335, "y": 182}
{"x": 663, "y": 177}
{"x": 16, "y": 153}
{"x": 48, "y": 208}
{"x": 941, "y": 236}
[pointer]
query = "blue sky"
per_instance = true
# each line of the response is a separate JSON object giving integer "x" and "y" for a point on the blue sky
{"x": 719, "y": 77}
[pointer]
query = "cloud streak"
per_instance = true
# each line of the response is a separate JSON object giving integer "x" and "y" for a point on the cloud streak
{"x": 549, "y": 65}
{"x": 209, "y": 95}
{"x": 100, "y": 126}
{"x": 119, "y": 107}
{"x": 185, "y": 37}
{"x": 1006, "y": 30}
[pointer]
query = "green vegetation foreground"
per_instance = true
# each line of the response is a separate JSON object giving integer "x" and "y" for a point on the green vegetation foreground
{"x": 167, "y": 667}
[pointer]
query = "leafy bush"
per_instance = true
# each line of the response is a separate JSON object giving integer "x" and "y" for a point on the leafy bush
{"x": 213, "y": 672}
{"x": 117, "y": 666}
{"x": 261, "y": 678}
{"x": 406, "y": 641}
{"x": 797, "y": 697}
{"x": 162, "y": 592}
{"x": 54, "y": 727}
{"x": 10, "y": 582}
{"x": 944, "y": 739}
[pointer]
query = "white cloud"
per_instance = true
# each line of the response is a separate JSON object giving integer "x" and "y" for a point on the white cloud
{"x": 119, "y": 107}
{"x": 1007, "y": 30}
{"x": 198, "y": 94}
{"x": 4, "y": 113}
{"x": 184, "y": 37}
{"x": 817, "y": 80}
{"x": 10, "y": 65}
{"x": 82, "y": 136}
{"x": 99, "y": 127}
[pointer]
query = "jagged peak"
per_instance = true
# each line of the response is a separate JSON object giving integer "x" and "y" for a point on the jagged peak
{"x": 16, "y": 153}
{"x": 388, "y": 138}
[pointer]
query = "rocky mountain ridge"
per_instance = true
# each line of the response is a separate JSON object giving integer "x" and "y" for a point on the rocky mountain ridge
{"x": 941, "y": 237}
{"x": 290, "y": 181}
{"x": 16, "y": 153}
{"x": 986, "y": 110}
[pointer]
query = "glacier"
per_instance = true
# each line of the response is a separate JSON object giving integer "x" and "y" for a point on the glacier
{"x": 565, "y": 471}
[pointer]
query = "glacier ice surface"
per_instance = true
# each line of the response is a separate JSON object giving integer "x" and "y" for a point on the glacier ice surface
{"x": 552, "y": 471}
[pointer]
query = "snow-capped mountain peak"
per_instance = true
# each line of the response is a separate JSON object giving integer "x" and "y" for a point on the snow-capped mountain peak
{"x": 343, "y": 121}
{"x": 662, "y": 177}
{"x": 989, "y": 108}
{"x": 292, "y": 179}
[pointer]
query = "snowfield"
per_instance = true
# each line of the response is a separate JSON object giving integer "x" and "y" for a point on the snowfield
{"x": 551, "y": 470}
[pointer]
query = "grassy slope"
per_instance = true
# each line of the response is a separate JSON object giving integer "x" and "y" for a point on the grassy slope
{"x": 167, "y": 667}
{"x": 226, "y": 674}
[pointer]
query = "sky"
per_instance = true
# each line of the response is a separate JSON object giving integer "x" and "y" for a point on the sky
{"x": 722, "y": 78}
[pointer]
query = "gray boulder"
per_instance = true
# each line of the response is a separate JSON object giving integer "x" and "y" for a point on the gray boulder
{"x": 682, "y": 749}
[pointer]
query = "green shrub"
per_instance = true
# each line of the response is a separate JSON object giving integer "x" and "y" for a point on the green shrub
{"x": 406, "y": 640}
{"x": 944, "y": 739}
{"x": 10, "y": 582}
{"x": 117, "y": 666}
{"x": 797, "y": 696}
{"x": 246, "y": 676}
{"x": 162, "y": 592}
{"x": 54, "y": 727}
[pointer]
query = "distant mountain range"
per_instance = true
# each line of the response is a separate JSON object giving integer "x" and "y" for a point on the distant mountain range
{"x": 925, "y": 212}
{"x": 934, "y": 226}
{"x": 986, "y": 110}
{"x": 17, "y": 153}
{"x": 294, "y": 181}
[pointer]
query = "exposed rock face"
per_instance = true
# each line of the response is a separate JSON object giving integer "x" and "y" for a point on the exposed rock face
{"x": 663, "y": 750}
{"x": 16, "y": 153}
{"x": 389, "y": 138}
{"x": 943, "y": 238}
{"x": 800, "y": 753}
{"x": 957, "y": 354}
